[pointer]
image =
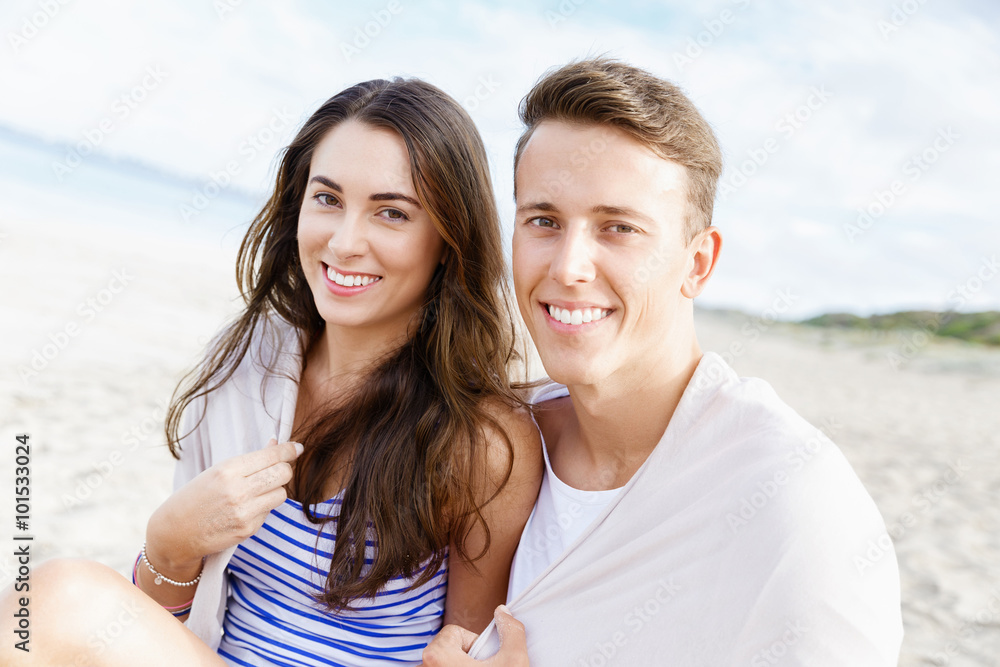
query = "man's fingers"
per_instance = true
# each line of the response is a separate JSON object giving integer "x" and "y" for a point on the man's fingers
{"x": 449, "y": 647}
{"x": 467, "y": 637}
{"x": 268, "y": 456}
{"x": 511, "y": 630}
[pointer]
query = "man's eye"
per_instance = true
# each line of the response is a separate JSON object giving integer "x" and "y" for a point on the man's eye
{"x": 622, "y": 229}
{"x": 542, "y": 222}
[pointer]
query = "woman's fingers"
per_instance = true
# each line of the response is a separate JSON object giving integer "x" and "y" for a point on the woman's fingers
{"x": 264, "y": 458}
{"x": 269, "y": 501}
{"x": 269, "y": 478}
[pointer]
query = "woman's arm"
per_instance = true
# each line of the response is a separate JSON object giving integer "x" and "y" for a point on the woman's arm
{"x": 221, "y": 507}
{"x": 476, "y": 589}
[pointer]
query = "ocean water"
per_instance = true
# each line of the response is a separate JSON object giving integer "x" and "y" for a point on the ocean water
{"x": 38, "y": 184}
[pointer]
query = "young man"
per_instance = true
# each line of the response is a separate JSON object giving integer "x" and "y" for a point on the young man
{"x": 688, "y": 516}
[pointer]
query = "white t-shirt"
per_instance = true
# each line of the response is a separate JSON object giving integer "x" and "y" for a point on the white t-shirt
{"x": 560, "y": 516}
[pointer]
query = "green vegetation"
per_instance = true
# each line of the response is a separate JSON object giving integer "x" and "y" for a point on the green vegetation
{"x": 973, "y": 327}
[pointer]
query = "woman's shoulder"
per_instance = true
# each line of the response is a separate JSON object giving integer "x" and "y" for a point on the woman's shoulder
{"x": 512, "y": 442}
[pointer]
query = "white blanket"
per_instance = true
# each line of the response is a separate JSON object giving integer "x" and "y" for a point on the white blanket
{"x": 256, "y": 404}
{"x": 745, "y": 539}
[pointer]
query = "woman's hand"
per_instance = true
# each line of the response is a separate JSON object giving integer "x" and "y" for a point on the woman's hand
{"x": 219, "y": 508}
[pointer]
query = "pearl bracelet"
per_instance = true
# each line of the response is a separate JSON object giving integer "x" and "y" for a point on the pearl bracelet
{"x": 160, "y": 578}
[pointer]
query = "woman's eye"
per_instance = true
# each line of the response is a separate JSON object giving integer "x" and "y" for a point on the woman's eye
{"x": 326, "y": 199}
{"x": 395, "y": 214}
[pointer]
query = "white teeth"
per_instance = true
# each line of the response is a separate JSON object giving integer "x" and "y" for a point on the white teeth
{"x": 580, "y": 316}
{"x": 350, "y": 280}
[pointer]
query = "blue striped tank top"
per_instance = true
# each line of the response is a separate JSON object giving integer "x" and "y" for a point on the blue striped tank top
{"x": 272, "y": 619}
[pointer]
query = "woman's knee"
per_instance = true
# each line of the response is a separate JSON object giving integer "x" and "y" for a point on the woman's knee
{"x": 75, "y": 582}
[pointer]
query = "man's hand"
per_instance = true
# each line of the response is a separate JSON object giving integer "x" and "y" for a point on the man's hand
{"x": 451, "y": 645}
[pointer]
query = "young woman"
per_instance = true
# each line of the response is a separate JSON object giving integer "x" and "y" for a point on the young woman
{"x": 377, "y": 334}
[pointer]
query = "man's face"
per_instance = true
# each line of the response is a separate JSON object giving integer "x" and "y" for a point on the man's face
{"x": 601, "y": 262}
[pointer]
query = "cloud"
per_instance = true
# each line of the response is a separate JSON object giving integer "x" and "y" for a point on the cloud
{"x": 749, "y": 66}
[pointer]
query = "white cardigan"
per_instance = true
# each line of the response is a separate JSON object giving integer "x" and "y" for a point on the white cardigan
{"x": 744, "y": 539}
{"x": 255, "y": 405}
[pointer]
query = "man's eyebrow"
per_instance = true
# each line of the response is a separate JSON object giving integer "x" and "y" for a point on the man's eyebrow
{"x": 544, "y": 206}
{"x": 620, "y": 210}
{"x": 378, "y": 196}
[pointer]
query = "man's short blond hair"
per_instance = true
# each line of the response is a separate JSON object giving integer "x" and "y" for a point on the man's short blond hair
{"x": 653, "y": 111}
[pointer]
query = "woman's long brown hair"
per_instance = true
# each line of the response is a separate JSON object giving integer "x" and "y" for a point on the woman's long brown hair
{"x": 410, "y": 439}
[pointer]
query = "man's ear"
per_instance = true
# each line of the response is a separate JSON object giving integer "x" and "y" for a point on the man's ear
{"x": 704, "y": 249}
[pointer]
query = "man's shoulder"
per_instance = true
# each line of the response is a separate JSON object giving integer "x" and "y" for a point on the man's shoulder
{"x": 771, "y": 456}
{"x": 741, "y": 409}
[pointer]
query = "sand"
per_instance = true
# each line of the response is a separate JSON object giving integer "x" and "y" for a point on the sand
{"x": 917, "y": 418}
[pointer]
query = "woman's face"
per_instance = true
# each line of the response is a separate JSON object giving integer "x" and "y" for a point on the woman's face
{"x": 368, "y": 248}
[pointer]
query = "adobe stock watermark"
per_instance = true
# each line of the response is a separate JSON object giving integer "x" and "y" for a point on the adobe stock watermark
{"x": 899, "y": 16}
{"x": 218, "y": 181}
{"x": 988, "y": 616}
{"x": 33, "y": 24}
{"x": 363, "y": 35}
{"x": 767, "y": 490}
{"x": 913, "y": 169}
{"x": 88, "y": 310}
{"x": 225, "y": 7}
{"x": 787, "y": 126}
{"x": 714, "y": 27}
{"x": 750, "y": 331}
{"x": 634, "y": 621}
{"x": 101, "y": 640}
{"x": 121, "y": 109}
{"x": 957, "y": 297}
{"x": 562, "y": 12}
{"x": 103, "y": 469}
{"x": 774, "y": 653}
{"x": 487, "y": 86}
{"x": 921, "y": 504}
{"x": 578, "y": 161}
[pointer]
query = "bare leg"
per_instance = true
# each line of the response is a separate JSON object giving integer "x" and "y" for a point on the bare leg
{"x": 84, "y": 614}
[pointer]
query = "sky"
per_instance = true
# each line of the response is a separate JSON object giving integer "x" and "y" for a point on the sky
{"x": 860, "y": 138}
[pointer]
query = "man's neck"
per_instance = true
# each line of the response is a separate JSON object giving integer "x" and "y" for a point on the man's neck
{"x": 614, "y": 425}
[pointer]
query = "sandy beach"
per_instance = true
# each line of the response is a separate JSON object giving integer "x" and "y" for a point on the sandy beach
{"x": 100, "y": 324}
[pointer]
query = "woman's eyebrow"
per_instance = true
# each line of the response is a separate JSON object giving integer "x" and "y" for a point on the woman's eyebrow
{"x": 378, "y": 196}
{"x": 333, "y": 185}
{"x": 390, "y": 196}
